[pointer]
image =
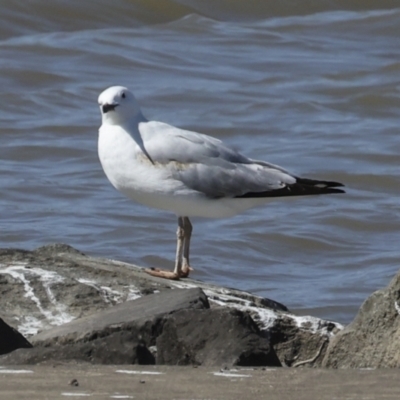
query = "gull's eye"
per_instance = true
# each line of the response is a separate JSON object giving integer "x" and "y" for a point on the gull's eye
{"x": 123, "y": 95}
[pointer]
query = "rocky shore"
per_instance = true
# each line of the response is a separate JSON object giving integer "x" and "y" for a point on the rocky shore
{"x": 58, "y": 305}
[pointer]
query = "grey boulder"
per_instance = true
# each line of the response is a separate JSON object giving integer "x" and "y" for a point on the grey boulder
{"x": 372, "y": 340}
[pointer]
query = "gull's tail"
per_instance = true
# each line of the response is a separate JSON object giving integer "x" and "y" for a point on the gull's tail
{"x": 302, "y": 187}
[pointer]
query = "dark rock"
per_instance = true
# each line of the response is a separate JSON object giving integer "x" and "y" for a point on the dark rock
{"x": 115, "y": 348}
{"x": 11, "y": 339}
{"x": 372, "y": 340}
{"x": 118, "y": 335}
{"x": 297, "y": 341}
{"x": 298, "y": 344}
{"x": 73, "y": 382}
{"x": 213, "y": 338}
{"x": 180, "y": 324}
{"x": 144, "y": 309}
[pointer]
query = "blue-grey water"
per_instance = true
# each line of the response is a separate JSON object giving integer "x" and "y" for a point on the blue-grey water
{"x": 313, "y": 86}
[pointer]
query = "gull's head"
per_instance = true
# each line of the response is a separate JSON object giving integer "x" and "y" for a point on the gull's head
{"x": 118, "y": 105}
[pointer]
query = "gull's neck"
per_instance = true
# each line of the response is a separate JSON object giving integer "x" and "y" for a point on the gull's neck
{"x": 114, "y": 119}
{"x": 130, "y": 126}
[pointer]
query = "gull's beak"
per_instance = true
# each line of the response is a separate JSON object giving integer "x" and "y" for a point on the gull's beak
{"x": 105, "y": 108}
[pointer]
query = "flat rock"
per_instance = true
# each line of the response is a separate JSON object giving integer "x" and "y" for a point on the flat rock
{"x": 115, "y": 318}
{"x": 118, "y": 335}
{"x": 11, "y": 339}
{"x": 372, "y": 340}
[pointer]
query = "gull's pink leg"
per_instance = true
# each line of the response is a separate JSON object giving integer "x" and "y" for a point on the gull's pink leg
{"x": 187, "y": 228}
{"x": 177, "y": 273}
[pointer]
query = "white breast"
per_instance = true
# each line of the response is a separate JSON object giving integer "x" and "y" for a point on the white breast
{"x": 130, "y": 171}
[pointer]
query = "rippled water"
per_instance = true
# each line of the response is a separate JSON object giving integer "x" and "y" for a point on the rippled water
{"x": 313, "y": 86}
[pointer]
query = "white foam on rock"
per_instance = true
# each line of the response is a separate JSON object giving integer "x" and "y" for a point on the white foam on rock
{"x": 112, "y": 296}
{"x": 397, "y": 307}
{"x": 133, "y": 293}
{"x": 57, "y": 314}
{"x": 263, "y": 316}
{"x": 109, "y": 295}
{"x": 30, "y": 325}
{"x": 315, "y": 325}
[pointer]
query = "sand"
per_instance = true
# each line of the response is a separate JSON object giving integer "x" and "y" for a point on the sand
{"x": 166, "y": 382}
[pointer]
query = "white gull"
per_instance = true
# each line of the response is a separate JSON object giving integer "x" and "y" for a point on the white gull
{"x": 184, "y": 172}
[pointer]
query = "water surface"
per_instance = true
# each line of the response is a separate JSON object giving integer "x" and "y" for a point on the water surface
{"x": 312, "y": 86}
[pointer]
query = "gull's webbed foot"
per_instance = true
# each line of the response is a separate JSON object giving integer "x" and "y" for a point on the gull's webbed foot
{"x": 160, "y": 273}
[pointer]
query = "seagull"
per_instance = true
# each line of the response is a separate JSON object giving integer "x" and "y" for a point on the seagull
{"x": 184, "y": 172}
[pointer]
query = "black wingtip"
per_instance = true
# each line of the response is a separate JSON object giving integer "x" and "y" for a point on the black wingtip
{"x": 317, "y": 183}
{"x": 302, "y": 187}
{"x": 314, "y": 186}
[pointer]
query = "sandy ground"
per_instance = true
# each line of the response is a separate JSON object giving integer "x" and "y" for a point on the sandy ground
{"x": 165, "y": 382}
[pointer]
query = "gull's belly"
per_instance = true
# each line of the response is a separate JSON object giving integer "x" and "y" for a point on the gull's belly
{"x": 152, "y": 186}
{"x": 191, "y": 204}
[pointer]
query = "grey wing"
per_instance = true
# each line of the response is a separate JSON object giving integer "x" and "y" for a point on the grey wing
{"x": 165, "y": 143}
{"x": 218, "y": 178}
{"x": 206, "y": 165}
